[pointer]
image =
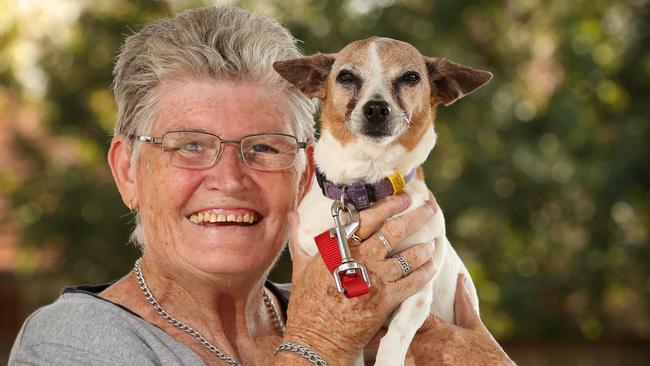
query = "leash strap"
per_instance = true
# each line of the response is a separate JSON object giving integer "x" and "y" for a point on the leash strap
{"x": 353, "y": 284}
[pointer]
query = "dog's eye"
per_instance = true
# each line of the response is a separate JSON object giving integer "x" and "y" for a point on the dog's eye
{"x": 346, "y": 77}
{"x": 410, "y": 77}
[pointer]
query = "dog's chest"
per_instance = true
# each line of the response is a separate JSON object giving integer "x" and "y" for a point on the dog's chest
{"x": 360, "y": 161}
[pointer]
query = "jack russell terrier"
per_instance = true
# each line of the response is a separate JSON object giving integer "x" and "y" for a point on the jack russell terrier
{"x": 378, "y": 105}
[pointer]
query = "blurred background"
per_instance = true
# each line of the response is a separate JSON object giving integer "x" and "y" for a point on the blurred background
{"x": 543, "y": 174}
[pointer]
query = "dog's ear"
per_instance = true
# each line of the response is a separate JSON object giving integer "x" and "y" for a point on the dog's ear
{"x": 451, "y": 81}
{"x": 309, "y": 73}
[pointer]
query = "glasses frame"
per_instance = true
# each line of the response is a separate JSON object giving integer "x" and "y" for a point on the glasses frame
{"x": 159, "y": 141}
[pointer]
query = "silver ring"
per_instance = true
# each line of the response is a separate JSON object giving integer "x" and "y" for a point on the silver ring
{"x": 403, "y": 265}
{"x": 384, "y": 241}
{"x": 357, "y": 240}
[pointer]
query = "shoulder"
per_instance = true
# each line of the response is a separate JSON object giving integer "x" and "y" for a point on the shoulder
{"x": 82, "y": 326}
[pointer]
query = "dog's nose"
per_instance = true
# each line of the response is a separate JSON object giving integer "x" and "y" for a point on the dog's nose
{"x": 376, "y": 111}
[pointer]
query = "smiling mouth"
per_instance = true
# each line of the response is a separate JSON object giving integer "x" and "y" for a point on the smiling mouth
{"x": 210, "y": 218}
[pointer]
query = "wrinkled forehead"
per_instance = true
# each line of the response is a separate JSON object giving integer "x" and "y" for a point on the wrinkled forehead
{"x": 391, "y": 54}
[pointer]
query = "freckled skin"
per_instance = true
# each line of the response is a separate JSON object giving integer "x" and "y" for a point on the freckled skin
{"x": 167, "y": 195}
{"x": 381, "y": 68}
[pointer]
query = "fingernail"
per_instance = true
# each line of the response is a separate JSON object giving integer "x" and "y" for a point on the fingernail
{"x": 432, "y": 205}
{"x": 465, "y": 283}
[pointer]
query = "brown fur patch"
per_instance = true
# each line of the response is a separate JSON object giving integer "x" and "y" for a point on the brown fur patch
{"x": 432, "y": 197}
{"x": 333, "y": 120}
{"x": 419, "y": 173}
{"x": 396, "y": 57}
{"x": 441, "y": 81}
{"x": 451, "y": 81}
{"x": 338, "y": 103}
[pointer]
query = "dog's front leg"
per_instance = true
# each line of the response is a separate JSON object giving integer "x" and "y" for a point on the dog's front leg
{"x": 407, "y": 319}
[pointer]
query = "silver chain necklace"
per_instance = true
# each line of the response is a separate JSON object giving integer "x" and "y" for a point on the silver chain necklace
{"x": 189, "y": 330}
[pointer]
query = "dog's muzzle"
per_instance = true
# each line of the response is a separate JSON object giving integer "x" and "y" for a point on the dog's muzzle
{"x": 376, "y": 111}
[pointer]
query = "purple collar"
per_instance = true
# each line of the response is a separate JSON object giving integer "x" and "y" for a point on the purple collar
{"x": 361, "y": 194}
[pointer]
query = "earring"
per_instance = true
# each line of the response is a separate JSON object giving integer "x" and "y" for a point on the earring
{"x": 132, "y": 207}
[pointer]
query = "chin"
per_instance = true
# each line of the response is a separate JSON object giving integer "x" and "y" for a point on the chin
{"x": 229, "y": 254}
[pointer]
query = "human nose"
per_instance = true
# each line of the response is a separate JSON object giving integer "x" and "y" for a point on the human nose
{"x": 229, "y": 172}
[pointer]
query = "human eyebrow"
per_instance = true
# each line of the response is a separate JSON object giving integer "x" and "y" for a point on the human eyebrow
{"x": 188, "y": 129}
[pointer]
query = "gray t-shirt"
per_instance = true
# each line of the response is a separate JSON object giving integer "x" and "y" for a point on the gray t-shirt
{"x": 80, "y": 328}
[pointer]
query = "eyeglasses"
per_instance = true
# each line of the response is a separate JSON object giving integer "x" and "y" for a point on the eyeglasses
{"x": 200, "y": 150}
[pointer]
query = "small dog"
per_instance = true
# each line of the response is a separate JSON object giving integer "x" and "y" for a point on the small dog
{"x": 378, "y": 104}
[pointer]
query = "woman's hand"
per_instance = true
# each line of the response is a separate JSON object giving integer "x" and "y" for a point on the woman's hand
{"x": 467, "y": 343}
{"x": 336, "y": 327}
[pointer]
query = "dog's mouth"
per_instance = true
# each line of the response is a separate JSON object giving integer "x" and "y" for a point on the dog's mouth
{"x": 376, "y": 132}
{"x": 386, "y": 131}
{"x": 221, "y": 218}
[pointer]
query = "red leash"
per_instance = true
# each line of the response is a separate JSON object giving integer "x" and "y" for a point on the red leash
{"x": 353, "y": 282}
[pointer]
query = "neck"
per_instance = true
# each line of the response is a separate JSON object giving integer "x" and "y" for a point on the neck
{"x": 368, "y": 161}
{"x": 226, "y": 312}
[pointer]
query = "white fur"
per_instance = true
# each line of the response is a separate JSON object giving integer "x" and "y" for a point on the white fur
{"x": 376, "y": 83}
{"x": 375, "y": 77}
{"x": 370, "y": 162}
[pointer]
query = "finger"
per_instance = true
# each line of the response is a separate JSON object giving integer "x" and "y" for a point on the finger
{"x": 373, "y": 217}
{"x": 299, "y": 257}
{"x": 412, "y": 283}
{"x": 414, "y": 256}
{"x": 396, "y": 230}
{"x": 374, "y": 341}
{"x": 431, "y": 322}
{"x": 466, "y": 315}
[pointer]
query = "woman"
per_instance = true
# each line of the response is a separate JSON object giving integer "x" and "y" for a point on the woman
{"x": 211, "y": 152}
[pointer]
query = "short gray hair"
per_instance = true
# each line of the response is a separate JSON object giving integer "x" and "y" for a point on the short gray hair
{"x": 221, "y": 43}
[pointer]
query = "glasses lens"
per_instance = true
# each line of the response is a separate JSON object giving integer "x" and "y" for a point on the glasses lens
{"x": 269, "y": 151}
{"x": 191, "y": 149}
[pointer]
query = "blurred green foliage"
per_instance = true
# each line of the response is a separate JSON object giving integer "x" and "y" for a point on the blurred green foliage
{"x": 543, "y": 174}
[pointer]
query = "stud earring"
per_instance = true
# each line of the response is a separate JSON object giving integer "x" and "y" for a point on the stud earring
{"x": 132, "y": 207}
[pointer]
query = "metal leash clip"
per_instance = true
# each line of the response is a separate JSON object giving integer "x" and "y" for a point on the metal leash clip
{"x": 348, "y": 266}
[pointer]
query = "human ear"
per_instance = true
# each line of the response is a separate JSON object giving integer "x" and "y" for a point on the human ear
{"x": 307, "y": 175}
{"x": 124, "y": 174}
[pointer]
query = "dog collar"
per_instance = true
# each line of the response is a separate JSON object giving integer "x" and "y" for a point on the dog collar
{"x": 361, "y": 194}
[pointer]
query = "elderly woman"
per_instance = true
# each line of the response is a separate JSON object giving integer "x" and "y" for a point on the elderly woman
{"x": 211, "y": 151}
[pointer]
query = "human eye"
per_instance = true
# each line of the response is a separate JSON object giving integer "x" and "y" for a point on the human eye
{"x": 186, "y": 143}
{"x": 191, "y": 146}
{"x": 263, "y": 148}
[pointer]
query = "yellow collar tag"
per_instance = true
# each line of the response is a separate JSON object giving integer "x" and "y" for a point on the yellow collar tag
{"x": 397, "y": 181}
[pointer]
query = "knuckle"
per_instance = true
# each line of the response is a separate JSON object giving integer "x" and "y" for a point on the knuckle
{"x": 368, "y": 216}
{"x": 447, "y": 359}
{"x": 420, "y": 277}
{"x": 415, "y": 258}
{"x": 395, "y": 229}
{"x": 457, "y": 339}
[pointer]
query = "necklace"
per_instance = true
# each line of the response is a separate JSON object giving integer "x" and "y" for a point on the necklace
{"x": 189, "y": 330}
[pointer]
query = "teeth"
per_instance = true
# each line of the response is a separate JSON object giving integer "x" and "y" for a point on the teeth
{"x": 213, "y": 217}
